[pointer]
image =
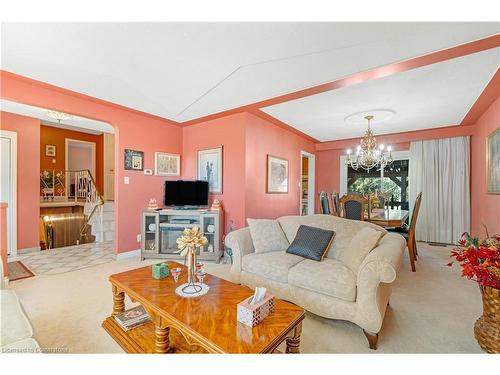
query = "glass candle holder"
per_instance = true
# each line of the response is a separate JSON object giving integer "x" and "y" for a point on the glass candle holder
{"x": 176, "y": 273}
{"x": 200, "y": 275}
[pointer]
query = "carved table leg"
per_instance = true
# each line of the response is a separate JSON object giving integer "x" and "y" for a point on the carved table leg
{"x": 118, "y": 301}
{"x": 162, "y": 340}
{"x": 293, "y": 343}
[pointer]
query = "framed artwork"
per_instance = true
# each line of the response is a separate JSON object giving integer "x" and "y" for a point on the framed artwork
{"x": 210, "y": 168}
{"x": 493, "y": 162}
{"x": 277, "y": 175}
{"x": 167, "y": 164}
{"x": 50, "y": 150}
{"x": 134, "y": 160}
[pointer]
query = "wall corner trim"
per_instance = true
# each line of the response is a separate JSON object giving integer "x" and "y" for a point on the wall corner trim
{"x": 129, "y": 254}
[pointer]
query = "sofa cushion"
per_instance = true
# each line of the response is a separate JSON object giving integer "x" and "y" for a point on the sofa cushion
{"x": 15, "y": 326}
{"x": 361, "y": 244}
{"x": 272, "y": 265}
{"x": 311, "y": 242}
{"x": 267, "y": 235}
{"x": 330, "y": 277}
{"x": 344, "y": 229}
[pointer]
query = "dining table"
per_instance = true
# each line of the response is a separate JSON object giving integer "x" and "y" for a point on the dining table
{"x": 388, "y": 217}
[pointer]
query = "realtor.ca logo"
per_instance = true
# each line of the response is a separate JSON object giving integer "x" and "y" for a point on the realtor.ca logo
{"x": 34, "y": 350}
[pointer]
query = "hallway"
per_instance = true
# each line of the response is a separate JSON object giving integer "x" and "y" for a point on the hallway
{"x": 67, "y": 259}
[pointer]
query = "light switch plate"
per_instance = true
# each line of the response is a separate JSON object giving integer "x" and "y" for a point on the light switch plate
{"x": 126, "y": 180}
{"x": 138, "y": 238}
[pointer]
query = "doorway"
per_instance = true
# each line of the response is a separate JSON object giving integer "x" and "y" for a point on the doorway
{"x": 307, "y": 165}
{"x": 80, "y": 155}
{"x": 8, "y": 188}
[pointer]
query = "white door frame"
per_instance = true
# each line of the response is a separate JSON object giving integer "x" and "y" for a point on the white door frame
{"x": 396, "y": 155}
{"x": 12, "y": 209}
{"x": 92, "y": 144}
{"x": 107, "y": 167}
{"x": 311, "y": 182}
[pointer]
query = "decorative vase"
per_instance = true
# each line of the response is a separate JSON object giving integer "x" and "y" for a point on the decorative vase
{"x": 191, "y": 264}
{"x": 487, "y": 327}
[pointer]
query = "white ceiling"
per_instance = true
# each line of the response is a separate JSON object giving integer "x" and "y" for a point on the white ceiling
{"x": 182, "y": 71}
{"x": 76, "y": 123}
{"x": 433, "y": 96}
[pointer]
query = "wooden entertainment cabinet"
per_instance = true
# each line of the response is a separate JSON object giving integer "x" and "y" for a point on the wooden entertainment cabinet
{"x": 160, "y": 229}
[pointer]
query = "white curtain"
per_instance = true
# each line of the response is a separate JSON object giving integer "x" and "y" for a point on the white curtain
{"x": 440, "y": 170}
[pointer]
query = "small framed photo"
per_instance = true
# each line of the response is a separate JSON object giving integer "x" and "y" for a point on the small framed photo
{"x": 134, "y": 160}
{"x": 167, "y": 164}
{"x": 493, "y": 162}
{"x": 277, "y": 175}
{"x": 210, "y": 168}
{"x": 50, "y": 150}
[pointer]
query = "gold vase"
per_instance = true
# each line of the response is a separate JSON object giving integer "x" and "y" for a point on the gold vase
{"x": 487, "y": 327}
{"x": 191, "y": 265}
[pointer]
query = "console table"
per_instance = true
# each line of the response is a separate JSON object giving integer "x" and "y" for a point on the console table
{"x": 160, "y": 230}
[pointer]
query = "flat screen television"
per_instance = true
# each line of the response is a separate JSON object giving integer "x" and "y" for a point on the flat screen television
{"x": 186, "y": 193}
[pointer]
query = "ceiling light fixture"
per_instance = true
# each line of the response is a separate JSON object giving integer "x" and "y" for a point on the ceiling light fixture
{"x": 368, "y": 155}
{"x": 59, "y": 116}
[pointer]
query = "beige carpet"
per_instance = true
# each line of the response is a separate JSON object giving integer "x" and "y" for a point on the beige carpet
{"x": 432, "y": 311}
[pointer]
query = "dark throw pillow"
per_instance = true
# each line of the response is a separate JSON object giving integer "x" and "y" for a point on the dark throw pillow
{"x": 311, "y": 242}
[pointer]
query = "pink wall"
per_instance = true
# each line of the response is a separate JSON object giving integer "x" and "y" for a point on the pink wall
{"x": 247, "y": 139}
{"x": 28, "y": 176}
{"x": 228, "y": 132}
{"x": 3, "y": 238}
{"x": 485, "y": 208}
{"x": 133, "y": 129}
{"x": 263, "y": 138}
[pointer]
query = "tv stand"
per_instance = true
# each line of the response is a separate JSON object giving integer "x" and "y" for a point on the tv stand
{"x": 160, "y": 230}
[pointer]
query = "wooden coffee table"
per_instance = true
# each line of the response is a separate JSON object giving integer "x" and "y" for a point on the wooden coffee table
{"x": 205, "y": 324}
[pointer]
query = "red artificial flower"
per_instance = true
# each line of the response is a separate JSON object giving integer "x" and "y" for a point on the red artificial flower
{"x": 479, "y": 260}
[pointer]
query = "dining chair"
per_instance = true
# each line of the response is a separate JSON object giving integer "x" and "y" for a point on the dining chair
{"x": 335, "y": 204}
{"x": 381, "y": 199}
{"x": 353, "y": 206}
{"x": 324, "y": 203}
{"x": 409, "y": 233}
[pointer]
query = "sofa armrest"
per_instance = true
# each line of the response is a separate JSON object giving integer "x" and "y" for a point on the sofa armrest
{"x": 379, "y": 266}
{"x": 385, "y": 259}
{"x": 240, "y": 242}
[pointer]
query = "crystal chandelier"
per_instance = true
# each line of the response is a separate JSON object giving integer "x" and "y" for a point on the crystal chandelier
{"x": 368, "y": 155}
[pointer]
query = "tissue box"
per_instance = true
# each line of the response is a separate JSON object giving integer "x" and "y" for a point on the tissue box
{"x": 251, "y": 315}
{"x": 159, "y": 271}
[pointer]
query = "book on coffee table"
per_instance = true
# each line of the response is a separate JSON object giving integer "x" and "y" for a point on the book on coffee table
{"x": 132, "y": 318}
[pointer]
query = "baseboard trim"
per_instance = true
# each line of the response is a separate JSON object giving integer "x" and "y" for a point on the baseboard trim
{"x": 28, "y": 250}
{"x": 129, "y": 254}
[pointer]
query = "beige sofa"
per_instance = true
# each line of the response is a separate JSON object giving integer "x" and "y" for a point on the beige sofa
{"x": 327, "y": 288}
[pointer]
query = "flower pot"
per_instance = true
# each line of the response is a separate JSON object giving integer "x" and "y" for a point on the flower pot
{"x": 487, "y": 327}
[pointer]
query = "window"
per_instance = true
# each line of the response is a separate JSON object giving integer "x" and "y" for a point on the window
{"x": 391, "y": 180}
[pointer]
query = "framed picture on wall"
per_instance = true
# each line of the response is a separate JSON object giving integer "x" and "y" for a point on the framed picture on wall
{"x": 167, "y": 164}
{"x": 134, "y": 160}
{"x": 210, "y": 168}
{"x": 50, "y": 150}
{"x": 493, "y": 162}
{"x": 277, "y": 175}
